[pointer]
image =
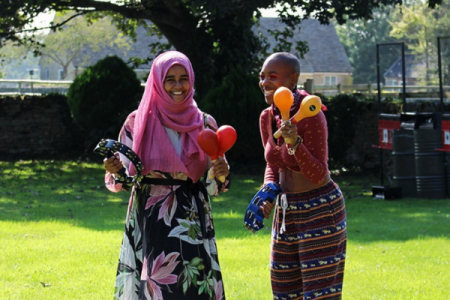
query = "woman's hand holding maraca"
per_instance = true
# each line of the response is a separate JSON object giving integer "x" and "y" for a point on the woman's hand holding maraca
{"x": 309, "y": 107}
{"x": 220, "y": 168}
{"x": 289, "y": 132}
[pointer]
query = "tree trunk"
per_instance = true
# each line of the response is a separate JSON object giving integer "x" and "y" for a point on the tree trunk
{"x": 212, "y": 48}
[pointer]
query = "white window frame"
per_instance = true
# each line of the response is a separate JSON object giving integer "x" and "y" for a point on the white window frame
{"x": 330, "y": 80}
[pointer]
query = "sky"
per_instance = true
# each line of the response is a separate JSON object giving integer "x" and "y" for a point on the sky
{"x": 269, "y": 13}
{"x": 43, "y": 20}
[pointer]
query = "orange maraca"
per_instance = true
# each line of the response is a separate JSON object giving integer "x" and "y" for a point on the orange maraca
{"x": 284, "y": 99}
{"x": 310, "y": 106}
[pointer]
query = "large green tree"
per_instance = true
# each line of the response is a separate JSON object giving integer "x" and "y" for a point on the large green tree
{"x": 414, "y": 23}
{"x": 215, "y": 34}
{"x": 419, "y": 27}
{"x": 63, "y": 46}
{"x": 360, "y": 39}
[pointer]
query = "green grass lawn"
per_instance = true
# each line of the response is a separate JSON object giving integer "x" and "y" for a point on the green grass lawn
{"x": 61, "y": 231}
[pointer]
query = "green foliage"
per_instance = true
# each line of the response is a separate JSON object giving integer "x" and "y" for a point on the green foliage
{"x": 238, "y": 102}
{"x": 102, "y": 96}
{"x": 342, "y": 114}
{"x": 419, "y": 26}
{"x": 215, "y": 35}
{"x": 63, "y": 46}
{"x": 353, "y": 130}
{"x": 360, "y": 37}
{"x": 414, "y": 23}
{"x": 13, "y": 60}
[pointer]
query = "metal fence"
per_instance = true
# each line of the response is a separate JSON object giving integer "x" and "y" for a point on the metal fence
{"x": 39, "y": 87}
{"x": 386, "y": 90}
{"x": 33, "y": 87}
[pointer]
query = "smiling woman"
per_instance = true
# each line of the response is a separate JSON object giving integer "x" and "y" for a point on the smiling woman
{"x": 169, "y": 246}
{"x": 177, "y": 83}
{"x": 309, "y": 215}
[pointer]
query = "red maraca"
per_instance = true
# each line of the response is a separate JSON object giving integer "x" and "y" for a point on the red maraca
{"x": 216, "y": 145}
{"x": 207, "y": 139}
{"x": 226, "y": 136}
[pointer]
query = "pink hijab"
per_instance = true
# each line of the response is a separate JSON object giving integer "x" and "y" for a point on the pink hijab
{"x": 156, "y": 110}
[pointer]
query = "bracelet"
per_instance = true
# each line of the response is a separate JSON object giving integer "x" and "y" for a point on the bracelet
{"x": 291, "y": 149}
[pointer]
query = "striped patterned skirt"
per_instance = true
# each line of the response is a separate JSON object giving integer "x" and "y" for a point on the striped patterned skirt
{"x": 309, "y": 244}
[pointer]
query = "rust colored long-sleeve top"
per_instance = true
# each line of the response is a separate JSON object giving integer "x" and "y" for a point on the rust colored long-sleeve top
{"x": 311, "y": 156}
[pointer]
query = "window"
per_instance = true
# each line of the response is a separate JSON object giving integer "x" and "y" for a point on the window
{"x": 330, "y": 80}
{"x": 33, "y": 73}
{"x": 60, "y": 74}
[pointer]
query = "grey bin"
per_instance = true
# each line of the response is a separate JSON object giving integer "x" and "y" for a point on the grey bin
{"x": 418, "y": 167}
{"x": 404, "y": 169}
{"x": 429, "y": 163}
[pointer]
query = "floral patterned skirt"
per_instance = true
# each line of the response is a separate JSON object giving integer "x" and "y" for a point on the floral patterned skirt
{"x": 169, "y": 247}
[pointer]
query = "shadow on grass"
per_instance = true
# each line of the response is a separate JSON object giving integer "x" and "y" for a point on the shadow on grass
{"x": 60, "y": 191}
{"x": 74, "y": 192}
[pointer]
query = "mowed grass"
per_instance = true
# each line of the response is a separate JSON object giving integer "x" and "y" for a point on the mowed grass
{"x": 61, "y": 230}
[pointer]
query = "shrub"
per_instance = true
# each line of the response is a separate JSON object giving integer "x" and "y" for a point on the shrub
{"x": 353, "y": 130}
{"x": 101, "y": 98}
{"x": 238, "y": 102}
{"x": 342, "y": 115}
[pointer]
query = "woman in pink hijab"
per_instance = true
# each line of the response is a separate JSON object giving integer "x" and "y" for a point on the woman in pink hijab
{"x": 169, "y": 246}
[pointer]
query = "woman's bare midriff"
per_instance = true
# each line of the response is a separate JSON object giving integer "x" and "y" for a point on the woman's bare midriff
{"x": 295, "y": 182}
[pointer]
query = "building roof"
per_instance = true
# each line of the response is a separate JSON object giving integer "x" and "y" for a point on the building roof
{"x": 140, "y": 49}
{"x": 326, "y": 53}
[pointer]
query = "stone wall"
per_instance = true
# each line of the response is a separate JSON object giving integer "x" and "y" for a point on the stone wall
{"x": 36, "y": 127}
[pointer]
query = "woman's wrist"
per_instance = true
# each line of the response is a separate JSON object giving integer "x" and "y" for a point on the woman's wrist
{"x": 292, "y": 148}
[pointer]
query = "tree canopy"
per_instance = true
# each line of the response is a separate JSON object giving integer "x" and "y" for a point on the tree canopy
{"x": 413, "y": 23}
{"x": 419, "y": 27}
{"x": 63, "y": 46}
{"x": 360, "y": 37}
{"x": 215, "y": 34}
